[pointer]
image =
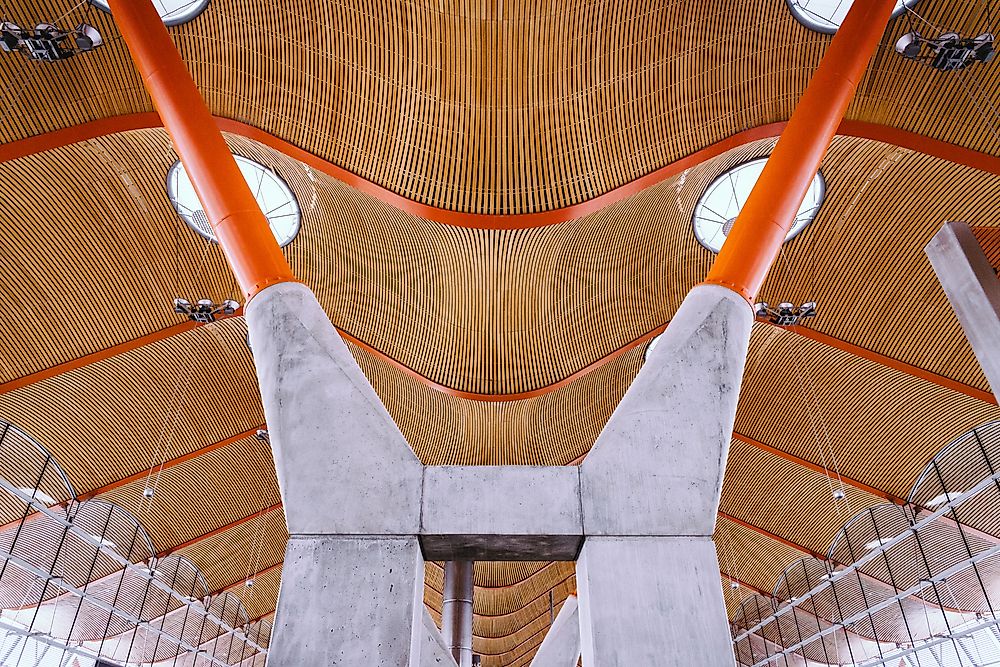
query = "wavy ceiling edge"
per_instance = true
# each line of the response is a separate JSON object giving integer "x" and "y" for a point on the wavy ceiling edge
{"x": 852, "y": 128}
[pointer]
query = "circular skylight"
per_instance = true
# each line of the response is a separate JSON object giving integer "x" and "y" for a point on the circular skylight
{"x": 273, "y": 196}
{"x": 724, "y": 198}
{"x": 173, "y": 12}
{"x": 827, "y": 15}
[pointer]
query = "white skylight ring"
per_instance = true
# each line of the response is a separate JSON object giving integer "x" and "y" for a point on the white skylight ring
{"x": 173, "y": 12}
{"x": 276, "y": 200}
{"x": 827, "y": 15}
{"x": 723, "y": 199}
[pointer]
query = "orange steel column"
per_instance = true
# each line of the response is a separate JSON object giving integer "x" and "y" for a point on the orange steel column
{"x": 238, "y": 223}
{"x": 769, "y": 211}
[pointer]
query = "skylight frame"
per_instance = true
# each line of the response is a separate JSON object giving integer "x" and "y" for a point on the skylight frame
{"x": 804, "y": 217}
{"x": 182, "y": 195}
{"x": 821, "y": 24}
{"x": 188, "y": 10}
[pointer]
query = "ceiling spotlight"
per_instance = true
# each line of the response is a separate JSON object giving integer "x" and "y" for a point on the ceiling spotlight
{"x": 734, "y": 585}
{"x": 786, "y": 314}
{"x": 248, "y": 583}
{"x": 948, "y": 52}
{"x": 148, "y": 492}
{"x": 205, "y": 310}
{"x": 48, "y": 43}
{"x": 263, "y": 435}
{"x": 838, "y": 494}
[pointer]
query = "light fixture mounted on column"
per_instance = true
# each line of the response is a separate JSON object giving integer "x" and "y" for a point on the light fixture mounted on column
{"x": 46, "y": 42}
{"x": 786, "y": 314}
{"x": 205, "y": 310}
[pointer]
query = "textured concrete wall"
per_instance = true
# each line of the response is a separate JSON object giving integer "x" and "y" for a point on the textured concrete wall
{"x": 561, "y": 646}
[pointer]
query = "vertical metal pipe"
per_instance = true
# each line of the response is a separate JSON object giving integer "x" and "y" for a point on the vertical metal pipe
{"x": 456, "y": 612}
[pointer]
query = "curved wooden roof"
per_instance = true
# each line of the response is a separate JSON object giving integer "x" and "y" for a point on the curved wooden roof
{"x": 488, "y": 345}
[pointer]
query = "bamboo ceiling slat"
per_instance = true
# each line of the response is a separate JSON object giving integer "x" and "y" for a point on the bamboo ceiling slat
{"x": 129, "y": 413}
{"x": 751, "y": 557}
{"x": 501, "y": 109}
{"x": 203, "y": 493}
{"x": 875, "y": 424}
{"x": 231, "y": 555}
{"x": 496, "y": 311}
{"x": 774, "y": 494}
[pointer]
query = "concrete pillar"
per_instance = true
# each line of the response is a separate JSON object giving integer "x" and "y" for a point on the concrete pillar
{"x": 652, "y": 601}
{"x": 973, "y": 291}
{"x": 352, "y": 586}
{"x": 434, "y": 652}
{"x": 648, "y": 573}
{"x": 561, "y": 646}
{"x": 456, "y": 609}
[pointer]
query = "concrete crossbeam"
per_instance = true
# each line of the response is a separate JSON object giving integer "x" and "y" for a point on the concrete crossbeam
{"x": 501, "y": 513}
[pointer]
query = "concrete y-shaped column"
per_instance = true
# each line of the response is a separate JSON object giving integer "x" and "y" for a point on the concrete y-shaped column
{"x": 352, "y": 585}
{"x": 360, "y": 507}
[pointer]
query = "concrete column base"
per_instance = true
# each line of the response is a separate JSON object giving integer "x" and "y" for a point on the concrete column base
{"x": 350, "y": 601}
{"x": 652, "y": 601}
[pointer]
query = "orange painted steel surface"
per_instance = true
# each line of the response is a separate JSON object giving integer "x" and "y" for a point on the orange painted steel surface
{"x": 236, "y": 219}
{"x": 770, "y": 210}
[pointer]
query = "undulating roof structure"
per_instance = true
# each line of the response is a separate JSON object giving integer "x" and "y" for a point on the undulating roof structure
{"x": 496, "y": 205}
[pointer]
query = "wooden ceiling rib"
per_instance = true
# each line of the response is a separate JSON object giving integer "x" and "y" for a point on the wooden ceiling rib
{"x": 859, "y": 129}
{"x": 400, "y": 93}
{"x": 392, "y": 311}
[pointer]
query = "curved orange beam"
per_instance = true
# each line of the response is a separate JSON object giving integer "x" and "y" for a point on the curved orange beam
{"x": 233, "y": 212}
{"x": 763, "y": 222}
{"x": 849, "y": 128}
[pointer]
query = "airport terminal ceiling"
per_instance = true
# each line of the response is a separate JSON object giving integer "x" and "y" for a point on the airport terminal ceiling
{"x": 500, "y": 205}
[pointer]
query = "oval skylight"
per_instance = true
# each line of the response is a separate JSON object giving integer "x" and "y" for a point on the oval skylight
{"x": 717, "y": 209}
{"x": 827, "y": 15}
{"x": 173, "y": 12}
{"x": 273, "y": 196}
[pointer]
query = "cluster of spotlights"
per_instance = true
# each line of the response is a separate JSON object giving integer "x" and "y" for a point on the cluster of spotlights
{"x": 949, "y": 52}
{"x": 205, "y": 310}
{"x": 786, "y": 314}
{"x": 48, "y": 43}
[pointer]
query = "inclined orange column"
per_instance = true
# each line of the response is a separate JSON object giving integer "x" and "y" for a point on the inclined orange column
{"x": 238, "y": 223}
{"x": 765, "y": 219}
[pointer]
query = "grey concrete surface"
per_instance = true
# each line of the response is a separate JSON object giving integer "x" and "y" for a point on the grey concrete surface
{"x": 342, "y": 464}
{"x": 433, "y": 652}
{"x": 973, "y": 290}
{"x": 501, "y": 513}
{"x": 652, "y": 601}
{"x": 657, "y": 467}
{"x": 350, "y": 601}
{"x": 561, "y": 646}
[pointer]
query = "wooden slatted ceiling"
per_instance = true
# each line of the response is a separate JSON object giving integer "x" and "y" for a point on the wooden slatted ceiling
{"x": 491, "y": 311}
{"x": 819, "y": 403}
{"x": 507, "y": 108}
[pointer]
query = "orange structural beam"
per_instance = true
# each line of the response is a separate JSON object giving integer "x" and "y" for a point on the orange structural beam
{"x": 236, "y": 219}
{"x": 768, "y": 214}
